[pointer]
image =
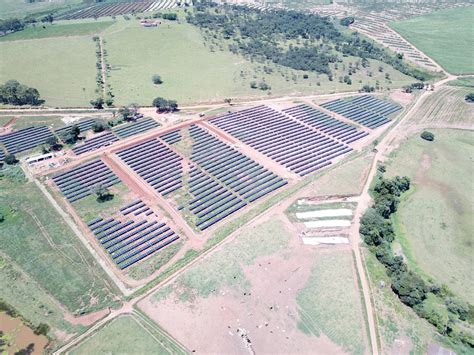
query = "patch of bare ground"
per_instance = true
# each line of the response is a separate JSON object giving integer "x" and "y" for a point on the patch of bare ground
{"x": 87, "y": 319}
{"x": 261, "y": 318}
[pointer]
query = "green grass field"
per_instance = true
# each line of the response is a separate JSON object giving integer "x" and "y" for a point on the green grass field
{"x": 128, "y": 334}
{"x": 434, "y": 221}
{"x": 463, "y": 82}
{"x": 446, "y": 36}
{"x": 62, "y": 69}
{"x": 63, "y": 29}
{"x": 330, "y": 303}
{"x": 37, "y": 240}
{"x": 20, "y": 8}
{"x": 192, "y": 73}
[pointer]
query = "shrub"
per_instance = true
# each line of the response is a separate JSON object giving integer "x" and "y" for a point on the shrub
{"x": 427, "y": 136}
{"x": 470, "y": 97}
{"x": 10, "y": 159}
{"x": 98, "y": 127}
{"x": 156, "y": 79}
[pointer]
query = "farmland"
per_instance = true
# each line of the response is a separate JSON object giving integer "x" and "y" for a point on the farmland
{"x": 434, "y": 33}
{"x": 442, "y": 197}
{"x": 69, "y": 63}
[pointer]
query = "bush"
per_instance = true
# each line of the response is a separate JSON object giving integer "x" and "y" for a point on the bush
{"x": 42, "y": 329}
{"x": 170, "y": 17}
{"x": 469, "y": 97}
{"x": 346, "y": 21}
{"x": 427, "y": 136}
{"x": 10, "y": 159}
{"x": 2, "y": 218}
{"x": 156, "y": 79}
{"x": 253, "y": 84}
{"x": 98, "y": 127}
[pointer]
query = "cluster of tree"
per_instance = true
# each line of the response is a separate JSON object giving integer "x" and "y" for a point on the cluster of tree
{"x": 261, "y": 85}
{"x": 71, "y": 136}
{"x": 164, "y": 105}
{"x": 11, "y": 25}
{"x": 14, "y": 93}
{"x": 367, "y": 88}
{"x": 302, "y": 41}
{"x": 427, "y": 136}
{"x": 10, "y": 159}
{"x": 469, "y": 97}
{"x": 128, "y": 113}
{"x": 347, "y": 21}
{"x": 104, "y": 91}
{"x": 415, "y": 86}
{"x": 51, "y": 144}
{"x": 378, "y": 233}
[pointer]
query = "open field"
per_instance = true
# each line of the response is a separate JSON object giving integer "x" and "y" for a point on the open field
{"x": 128, "y": 334}
{"x": 43, "y": 246}
{"x": 442, "y": 197}
{"x": 467, "y": 81}
{"x": 434, "y": 34}
{"x": 260, "y": 284}
{"x": 176, "y": 51}
{"x": 445, "y": 108}
{"x": 58, "y": 30}
{"x": 64, "y": 68}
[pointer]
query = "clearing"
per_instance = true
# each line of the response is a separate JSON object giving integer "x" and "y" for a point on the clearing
{"x": 443, "y": 198}
{"x": 434, "y": 33}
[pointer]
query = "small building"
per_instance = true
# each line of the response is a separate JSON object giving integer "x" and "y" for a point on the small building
{"x": 38, "y": 158}
{"x": 150, "y": 23}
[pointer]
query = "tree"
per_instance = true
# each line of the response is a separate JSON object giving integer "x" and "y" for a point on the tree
{"x": 253, "y": 84}
{"x": 10, "y": 159}
{"x": 2, "y": 217}
{"x": 98, "y": 103}
{"x": 42, "y": 329}
{"x": 98, "y": 127}
{"x": 72, "y": 135}
{"x": 228, "y": 101}
{"x": 346, "y": 21}
{"x": 428, "y": 136}
{"x": 14, "y": 93}
{"x": 157, "y": 79}
{"x": 48, "y": 18}
{"x": 469, "y": 97}
{"x": 164, "y": 105}
{"x": 102, "y": 192}
{"x": 410, "y": 288}
{"x": 53, "y": 143}
{"x": 125, "y": 113}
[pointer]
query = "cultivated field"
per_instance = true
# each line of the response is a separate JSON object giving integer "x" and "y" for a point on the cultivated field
{"x": 261, "y": 286}
{"x": 434, "y": 34}
{"x": 128, "y": 334}
{"x": 64, "y": 68}
{"x": 442, "y": 197}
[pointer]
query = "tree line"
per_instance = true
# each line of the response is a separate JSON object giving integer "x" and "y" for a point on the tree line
{"x": 378, "y": 233}
{"x": 302, "y": 41}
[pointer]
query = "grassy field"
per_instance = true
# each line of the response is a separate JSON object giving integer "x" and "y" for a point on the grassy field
{"x": 463, "y": 81}
{"x": 27, "y": 121}
{"x": 434, "y": 221}
{"x": 332, "y": 288}
{"x": 192, "y": 73}
{"x": 36, "y": 239}
{"x": 63, "y": 29}
{"x": 445, "y": 36}
{"x": 128, "y": 334}
{"x": 347, "y": 179}
{"x": 62, "y": 69}
{"x": 446, "y": 108}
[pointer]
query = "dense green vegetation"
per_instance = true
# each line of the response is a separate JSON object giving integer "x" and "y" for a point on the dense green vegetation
{"x": 445, "y": 36}
{"x": 14, "y": 93}
{"x": 293, "y": 39}
{"x": 429, "y": 300}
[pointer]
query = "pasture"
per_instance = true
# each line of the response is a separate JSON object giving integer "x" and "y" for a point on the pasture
{"x": 58, "y": 30}
{"x": 261, "y": 284}
{"x": 441, "y": 246}
{"x": 62, "y": 69}
{"x": 192, "y": 73}
{"x": 15, "y": 8}
{"x": 46, "y": 250}
{"x": 331, "y": 289}
{"x": 434, "y": 33}
{"x": 128, "y": 334}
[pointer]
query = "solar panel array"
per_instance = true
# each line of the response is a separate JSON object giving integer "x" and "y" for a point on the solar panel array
{"x": 79, "y": 182}
{"x": 2, "y": 155}
{"x": 140, "y": 126}
{"x": 329, "y": 125}
{"x": 172, "y": 137}
{"x": 224, "y": 180}
{"x": 366, "y": 110}
{"x": 155, "y": 163}
{"x": 84, "y": 125}
{"x": 95, "y": 143}
{"x": 132, "y": 235}
{"x": 290, "y": 143}
{"x": 25, "y": 139}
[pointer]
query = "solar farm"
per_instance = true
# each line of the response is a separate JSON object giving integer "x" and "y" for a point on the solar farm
{"x": 119, "y": 8}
